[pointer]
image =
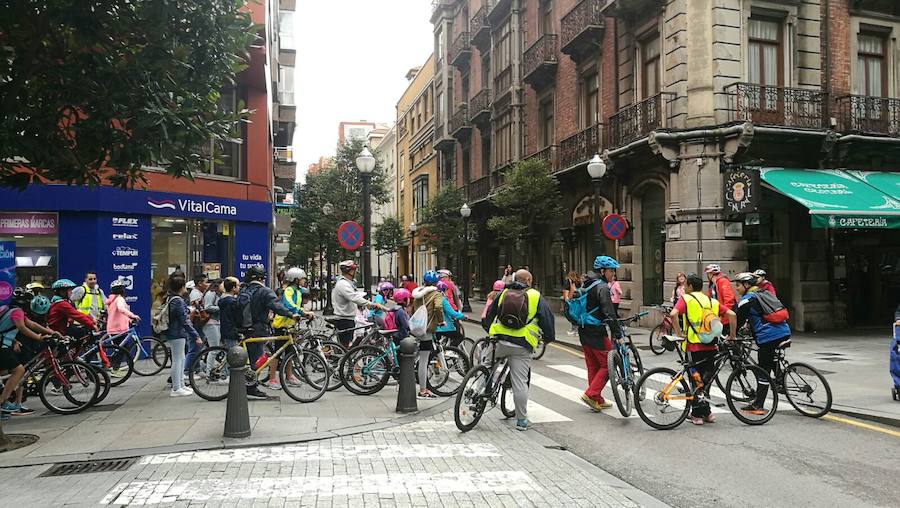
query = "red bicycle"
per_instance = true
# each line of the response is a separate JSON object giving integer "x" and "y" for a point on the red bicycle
{"x": 664, "y": 328}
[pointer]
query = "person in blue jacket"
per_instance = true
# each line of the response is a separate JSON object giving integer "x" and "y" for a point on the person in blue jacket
{"x": 447, "y": 328}
{"x": 768, "y": 336}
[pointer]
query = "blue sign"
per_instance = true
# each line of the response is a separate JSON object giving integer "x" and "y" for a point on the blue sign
{"x": 252, "y": 247}
{"x": 7, "y": 271}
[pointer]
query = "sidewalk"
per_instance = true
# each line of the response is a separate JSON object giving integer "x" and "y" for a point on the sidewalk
{"x": 139, "y": 418}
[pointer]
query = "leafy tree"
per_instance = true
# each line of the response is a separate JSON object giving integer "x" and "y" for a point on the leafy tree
{"x": 92, "y": 92}
{"x": 441, "y": 225}
{"x": 528, "y": 200}
{"x": 388, "y": 238}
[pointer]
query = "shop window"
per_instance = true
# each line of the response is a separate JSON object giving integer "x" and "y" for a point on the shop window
{"x": 37, "y": 245}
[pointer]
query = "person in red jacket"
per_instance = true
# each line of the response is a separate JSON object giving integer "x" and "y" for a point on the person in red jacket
{"x": 720, "y": 289}
{"x": 763, "y": 283}
{"x": 62, "y": 313}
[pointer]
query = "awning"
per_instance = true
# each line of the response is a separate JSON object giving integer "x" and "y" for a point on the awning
{"x": 837, "y": 198}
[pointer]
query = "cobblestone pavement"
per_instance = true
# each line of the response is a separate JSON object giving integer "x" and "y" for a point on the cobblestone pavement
{"x": 425, "y": 463}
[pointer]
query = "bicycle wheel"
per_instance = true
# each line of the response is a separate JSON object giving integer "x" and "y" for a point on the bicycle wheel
{"x": 539, "y": 350}
{"x": 656, "y": 339}
{"x": 466, "y": 344}
{"x": 661, "y": 398}
{"x": 445, "y": 377}
{"x": 71, "y": 389}
{"x": 620, "y": 382}
{"x": 149, "y": 356}
{"x": 806, "y": 389}
{"x": 365, "y": 370}
{"x": 750, "y": 412}
{"x": 507, "y": 402}
{"x": 744, "y": 387}
{"x": 304, "y": 375}
{"x": 334, "y": 353}
{"x": 208, "y": 373}
{"x": 105, "y": 383}
{"x": 120, "y": 363}
{"x": 478, "y": 349}
{"x": 472, "y": 398}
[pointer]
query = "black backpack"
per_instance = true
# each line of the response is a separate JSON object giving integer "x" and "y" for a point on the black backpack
{"x": 513, "y": 311}
{"x": 244, "y": 314}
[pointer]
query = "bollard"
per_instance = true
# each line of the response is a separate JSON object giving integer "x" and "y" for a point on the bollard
{"x": 406, "y": 395}
{"x": 237, "y": 416}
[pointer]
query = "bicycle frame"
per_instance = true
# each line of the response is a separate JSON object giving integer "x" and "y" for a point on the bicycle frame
{"x": 289, "y": 343}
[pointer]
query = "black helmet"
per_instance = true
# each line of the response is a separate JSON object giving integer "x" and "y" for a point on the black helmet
{"x": 255, "y": 272}
{"x": 21, "y": 298}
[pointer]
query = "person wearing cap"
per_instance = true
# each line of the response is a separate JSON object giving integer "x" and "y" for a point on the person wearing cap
{"x": 763, "y": 283}
{"x": 347, "y": 301}
{"x": 720, "y": 290}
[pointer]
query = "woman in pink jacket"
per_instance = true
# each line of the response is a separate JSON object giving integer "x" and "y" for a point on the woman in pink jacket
{"x": 120, "y": 315}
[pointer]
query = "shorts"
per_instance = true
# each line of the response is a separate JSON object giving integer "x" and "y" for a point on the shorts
{"x": 279, "y": 343}
{"x": 8, "y": 359}
{"x": 426, "y": 345}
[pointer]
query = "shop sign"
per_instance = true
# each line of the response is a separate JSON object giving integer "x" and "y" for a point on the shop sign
{"x": 742, "y": 190}
{"x": 7, "y": 271}
{"x": 28, "y": 224}
{"x": 856, "y": 221}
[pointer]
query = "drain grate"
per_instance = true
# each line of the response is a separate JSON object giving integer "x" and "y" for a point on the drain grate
{"x": 556, "y": 447}
{"x": 88, "y": 466}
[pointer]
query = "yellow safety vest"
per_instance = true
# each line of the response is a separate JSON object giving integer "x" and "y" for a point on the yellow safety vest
{"x": 295, "y": 296}
{"x": 696, "y": 302}
{"x": 90, "y": 301}
{"x": 530, "y": 332}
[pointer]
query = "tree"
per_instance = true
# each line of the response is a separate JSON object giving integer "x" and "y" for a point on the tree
{"x": 92, "y": 92}
{"x": 388, "y": 238}
{"x": 441, "y": 225}
{"x": 529, "y": 199}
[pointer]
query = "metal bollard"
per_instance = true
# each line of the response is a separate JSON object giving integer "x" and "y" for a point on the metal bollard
{"x": 406, "y": 395}
{"x": 237, "y": 416}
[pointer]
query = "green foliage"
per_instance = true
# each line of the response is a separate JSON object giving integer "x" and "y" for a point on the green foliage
{"x": 440, "y": 224}
{"x": 388, "y": 236}
{"x": 93, "y": 91}
{"x": 529, "y": 199}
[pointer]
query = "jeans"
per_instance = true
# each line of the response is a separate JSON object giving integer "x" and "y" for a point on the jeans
{"x": 177, "y": 346}
{"x": 519, "y": 360}
{"x": 766, "y": 360}
{"x": 213, "y": 335}
{"x": 598, "y": 371}
{"x": 193, "y": 349}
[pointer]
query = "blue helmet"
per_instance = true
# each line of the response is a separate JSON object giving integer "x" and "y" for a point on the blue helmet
{"x": 430, "y": 277}
{"x": 63, "y": 284}
{"x": 40, "y": 305}
{"x": 601, "y": 262}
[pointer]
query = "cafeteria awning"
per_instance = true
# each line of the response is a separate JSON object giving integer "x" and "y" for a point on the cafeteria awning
{"x": 840, "y": 199}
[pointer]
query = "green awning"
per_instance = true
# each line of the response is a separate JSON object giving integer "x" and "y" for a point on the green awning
{"x": 838, "y": 199}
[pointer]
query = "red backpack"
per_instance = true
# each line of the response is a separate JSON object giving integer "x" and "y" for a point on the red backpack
{"x": 390, "y": 320}
{"x": 773, "y": 311}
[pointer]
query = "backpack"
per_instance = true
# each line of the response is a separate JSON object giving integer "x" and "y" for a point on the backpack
{"x": 513, "y": 311}
{"x": 390, "y": 320}
{"x": 432, "y": 314}
{"x": 773, "y": 310}
{"x": 710, "y": 327}
{"x": 159, "y": 321}
{"x": 576, "y": 310}
{"x": 244, "y": 313}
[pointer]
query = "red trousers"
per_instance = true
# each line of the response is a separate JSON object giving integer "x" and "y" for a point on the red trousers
{"x": 598, "y": 371}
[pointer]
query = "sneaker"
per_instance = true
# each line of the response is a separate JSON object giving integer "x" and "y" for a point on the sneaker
{"x": 117, "y": 373}
{"x": 571, "y": 333}
{"x": 186, "y": 391}
{"x": 273, "y": 385}
{"x": 426, "y": 396}
{"x": 593, "y": 404}
{"x": 754, "y": 410}
{"x": 293, "y": 381}
{"x": 710, "y": 418}
{"x": 9, "y": 407}
{"x": 523, "y": 424}
{"x": 23, "y": 411}
{"x": 200, "y": 374}
{"x": 696, "y": 420}
{"x": 55, "y": 391}
{"x": 253, "y": 392}
{"x": 178, "y": 393}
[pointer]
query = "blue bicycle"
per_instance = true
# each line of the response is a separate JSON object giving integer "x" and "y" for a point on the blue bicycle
{"x": 149, "y": 354}
{"x": 625, "y": 366}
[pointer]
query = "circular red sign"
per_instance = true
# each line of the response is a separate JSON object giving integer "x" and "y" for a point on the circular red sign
{"x": 614, "y": 226}
{"x": 350, "y": 235}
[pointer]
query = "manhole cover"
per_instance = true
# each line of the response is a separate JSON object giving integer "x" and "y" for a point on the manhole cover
{"x": 16, "y": 441}
{"x": 88, "y": 466}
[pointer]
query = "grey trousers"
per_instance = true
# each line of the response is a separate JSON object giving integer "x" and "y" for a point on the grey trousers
{"x": 519, "y": 359}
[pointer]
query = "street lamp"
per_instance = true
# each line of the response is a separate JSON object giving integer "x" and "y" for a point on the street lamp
{"x": 412, "y": 248}
{"x": 597, "y": 170}
{"x": 365, "y": 163}
{"x": 327, "y": 210}
{"x": 466, "y": 212}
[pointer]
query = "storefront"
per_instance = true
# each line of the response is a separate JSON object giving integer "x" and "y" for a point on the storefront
{"x": 139, "y": 236}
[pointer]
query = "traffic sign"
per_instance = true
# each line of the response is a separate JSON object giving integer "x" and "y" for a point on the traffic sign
{"x": 350, "y": 235}
{"x": 614, "y": 226}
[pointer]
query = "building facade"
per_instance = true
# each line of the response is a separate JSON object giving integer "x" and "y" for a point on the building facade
{"x": 355, "y": 130}
{"x": 417, "y": 170}
{"x": 383, "y": 143}
{"x": 284, "y": 111}
{"x": 692, "y": 105}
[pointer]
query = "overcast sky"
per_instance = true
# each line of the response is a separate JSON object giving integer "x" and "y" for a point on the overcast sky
{"x": 352, "y": 56}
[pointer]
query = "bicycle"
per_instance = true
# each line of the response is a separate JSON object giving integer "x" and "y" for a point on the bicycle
{"x": 484, "y": 385}
{"x": 660, "y": 330}
{"x": 624, "y": 364}
{"x": 669, "y": 406}
{"x": 332, "y": 352}
{"x": 297, "y": 369}
{"x": 149, "y": 355}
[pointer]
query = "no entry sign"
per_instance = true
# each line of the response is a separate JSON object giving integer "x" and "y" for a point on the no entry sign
{"x": 614, "y": 226}
{"x": 350, "y": 235}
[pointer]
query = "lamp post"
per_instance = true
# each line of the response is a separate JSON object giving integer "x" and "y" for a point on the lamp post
{"x": 412, "y": 248}
{"x": 465, "y": 212}
{"x": 365, "y": 163}
{"x": 327, "y": 209}
{"x": 597, "y": 169}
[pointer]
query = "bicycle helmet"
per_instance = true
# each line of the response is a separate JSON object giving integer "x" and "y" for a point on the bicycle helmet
{"x": 40, "y": 305}
{"x": 348, "y": 266}
{"x": 605, "y": 262}
{"x": 444, "y": 273}
{"x": 430, "y": 277}
{"x": 385, "y": 287}
{"x": 442, "y": 286}
{"x": 747, "y": 277}
{"x": 21, "y": 298}
{"x": 713, "y": 269}
{"x": 294, "y": 274}
{"x": 33, "y": 287}
{"x": 63, "y": 284}
{"x": 401, "y": 296}
{"x": 118, "y": 283}
{"x": 760, "y": 273}
{"x": 499, "y": 285}
{"x": 255, "y": 272}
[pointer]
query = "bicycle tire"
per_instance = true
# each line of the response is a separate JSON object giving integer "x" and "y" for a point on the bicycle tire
{"x": 80, "y": 370}
{"x": 731, "y": 400}
{"x": 471, "y": 401}
{"x": 117, "y": 355}
{"x": 507, "y": 407}
{"x": 539, "y": 350}
{"x": 457, "y": 367}
{"x": 637, "y": 366}
{"x": 334, "y": 352}
{"x": 205, "y": 386}
{"x": 656, "y": 400}
{"x": 154, "y": 359}
{"x": 793, "y": 396}
{"x": 477, "y": 348}
{"x": 352, "y": 379}
{"x": 300, "y": 364}
{"x": 656, "y": 340}
{"x": 105, "y": 383}
{"x": 466, "y": 344}
{"x": 618, "y": 382}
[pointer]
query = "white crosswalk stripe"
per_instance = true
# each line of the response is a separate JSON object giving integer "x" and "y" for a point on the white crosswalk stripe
{"x": 543, "y": 414}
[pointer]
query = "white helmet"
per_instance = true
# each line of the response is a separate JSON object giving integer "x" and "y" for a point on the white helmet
{"x": 294, "y": 273}
{"x": 118, "y": 283}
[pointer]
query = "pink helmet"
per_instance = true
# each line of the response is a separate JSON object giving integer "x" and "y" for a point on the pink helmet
{"x": 499, "y": 285}
{"x": 401, "y": 296}
{"x": 385, "y": 287}
{"x": 442, "y": 286}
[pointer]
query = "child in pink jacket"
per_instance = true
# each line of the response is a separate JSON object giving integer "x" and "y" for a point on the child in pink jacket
{"x": 120, "y": 315}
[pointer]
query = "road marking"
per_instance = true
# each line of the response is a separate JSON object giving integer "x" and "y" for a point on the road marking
{"x": 542, "y": 414}
{"x": 862, "y": 425}
{"x": 567, "y": 350}
{"x": 171, "y": 491}
{"x": 570, "y": 393}
{"x": 420, "y": 426}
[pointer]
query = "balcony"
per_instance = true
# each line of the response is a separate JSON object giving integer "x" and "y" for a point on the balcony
{"x": 539, "y": 62}
{"x": 442, "y": 141}
{"x": 479, "y": 189}
{"x": 480, "y": 27}
{"x": 774, "y": 105}
{"x": 632, "y": 9}
{"x": 461, "y": 51}
{"x": 861, "y": 114}
{"x": 547, "y": 155}
{"x": 636, "y": 121}
{"x": 582, "y": 28}
{"x": 498, "y": 11}
{"x": 460, "y": 126}
{"x": 480, "y": 107}
{"x": 284, "y": 154}
{"x": 438, "y": 7}
{"x": 581, "y": 147}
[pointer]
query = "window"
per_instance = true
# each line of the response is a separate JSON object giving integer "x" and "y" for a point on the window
{"x": 504, "y": 139}
{"x": 545, "y": 17}
{"x": 465, "y": 87}
{"x": 439, "y": 37}
{"x": 486, "y": 71}
{"x": 439, "y": 113}
{"x": 502, "y": 59}
{"x": 871, "y": 79}
{"x": 466, "y": 165}
{"x": 286, "y": 29}
{"x": 485, "y": 155}
{"x": 286, "y": 85}
{"x": 589, "y": 99}
{"x": 420, "y": 195}
{"x": 226, "y": 158}
{"x": 650, "y": 66}
{"x": 546, "y": 133}
{"x": 764, "y": 62}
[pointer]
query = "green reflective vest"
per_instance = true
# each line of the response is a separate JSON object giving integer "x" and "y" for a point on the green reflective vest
{"x": 530, "y": 332}
{"x": 90, "y": 301}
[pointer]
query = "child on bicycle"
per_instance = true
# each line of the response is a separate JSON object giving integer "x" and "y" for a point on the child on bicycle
{"x": 403, "y": 299}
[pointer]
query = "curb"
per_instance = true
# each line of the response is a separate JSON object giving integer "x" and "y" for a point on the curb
{"x": 889, "y": 420}
{"x": 230, "y": 443}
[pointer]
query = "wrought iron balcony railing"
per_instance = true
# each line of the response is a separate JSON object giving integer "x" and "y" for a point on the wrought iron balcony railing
{"x": 461, "y": 51}
{"x": 580, "y": 147}
{"x": 777, "y": 105}
{"x": 480, "y": 26}
{"x": 868, "y": 115}
{"x": 581, "y": 28}
{"x": 442, "y": 141}
{"x": 539, "y": 61}
{"x": 547, "y": 154}
{"x": 637, "y": 120}
{"x": 479, "y": 189}
{"x": 460, "y": 126}
{"x": 498, "y": 10}
{"x": 480, "y": 107}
